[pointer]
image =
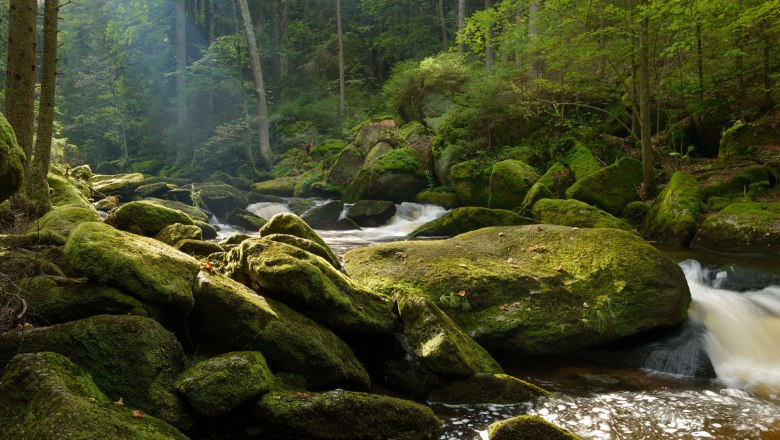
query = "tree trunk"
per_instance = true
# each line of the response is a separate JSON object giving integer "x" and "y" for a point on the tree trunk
{"x": 461, "y": 24}
{"x": 283, "y": 40}
{"x": 257, "y": 75}
{"x": 533, "y": 33}
{"x": 767, "y": 71}
{"x": 184, "y": 148}
{"x": 443, "y": 23}
{"x": 20, "y": 85}
{"x": 342, "y": 83}
{"x": 490, "y": 50}
{"x": 38, "y": 186}
{"x": 700, "y": 62}
{"x": 648, "y": 179}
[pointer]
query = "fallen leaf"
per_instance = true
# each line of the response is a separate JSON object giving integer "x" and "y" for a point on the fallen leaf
{"x": 536, "y": 248}
{"x": 360, "y": 307}
{"x": 302, "y": 396}
{"x": 559, "y": 268}
{"x": 536, "y": 257}
{"x": 510, "y": 260}
{"x": 401, "y": 255}
{"x": 277, "y": 397}
{"x": 120, "y": 402}
{"x": 500, "y": 234}
{"x": 462, "y": 294}
{"x": 514, "y": 266}
{"x": 503, "y": 307}
{"x": 516, "y": 305}
{"x": 419, "y": 260}
{"x": 586, "y": 305}
{"x": 463, "y": 265}
{"x": 575, "y": 229}
{"x": 92, "y": 399}
{"x": 138, "y": 414}
{"x": 539, "y": 228}
{"x": 207, "y": 266}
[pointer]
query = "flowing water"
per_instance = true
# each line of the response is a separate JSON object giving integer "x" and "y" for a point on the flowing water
{"x": 733, "y": 333}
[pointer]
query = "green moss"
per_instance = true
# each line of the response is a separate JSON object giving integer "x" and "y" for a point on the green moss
{"x": 537, "y": 192}
{"x": 328, "y": 148}
{"x": 742, "y": 227}
{"x": 116, "y": 185}
{"x": 487, "y": 388}
{"x": 438, "y": 343}
{"x": 64, "y": 191}
{"x": 221, "y": 198}
{"x": 309, "y": 183}
{"x": 466, "y": 219}
{"x": 536, "y": 289}
{"x": 610, "y": 189}
{"x": 343, "y": 414}
{"x": 65, "y": 218}
{"x": 218, "y": 385}
{"x": 196, "y": 214}
{"x": 246, "y": 220}
{"x": 509, "y": 183}
{"x": 144, "y": 267}
{"x": 172, "y": 234}
{"x": 741, "y": 182}
{"x": 208, "y": 232}
{"x": 528, "y": 428}
{"x": 81, "y": 172}
{"x": 470, "y": 180}
{"x": 443, "y": 199}
{"x": 575, "y": 213}
{"x": 311, "y": 285}
{"x": 581, "y": 161}
{"x": 744, "y": 139}
{"x": 147, "y": 218}
{"x": 129, "y": 357}
{"x": 636, "y": 212}
{"x": 44, "y": 395}
{"x": 11, "y": 161}
{"x": 673, "y": 217}
{"x": 378, "y": 151}
{"x": 229, "y": 316}
{"x": 291, "y": 224}
{"x": 198, "y": 248}
{"x": 397, "y": 176}
{"x": 346, "y": 168}
{"x": 306, "y": 245}
{"x": 43, "y": 237}
{"x": 401, "y": 160}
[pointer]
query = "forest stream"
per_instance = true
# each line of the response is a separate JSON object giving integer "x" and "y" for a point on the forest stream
{"x": 654, "y": 391}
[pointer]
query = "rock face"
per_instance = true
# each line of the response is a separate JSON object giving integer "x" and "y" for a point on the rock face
{"x": 123, "y": 185}
{"x": 528, "y": 428}
{"x": 371, "y": 213}
{"x": 144, "y": 267}
{"x": 196, "y": 214}
{"x": 306, "y": 245}
{"x": 509, "y": 183}
{"x": 11, "y": 161}
{"x": 467, "y": 219}
{"x": 536, "y": 289}
{"x": 742, "y": 226}
{"x": 290, "y": 224}
{"x": 176, "y": 232}
{"x": 282, "y": 187}
{"x": 147, "y": 219}
{"x": 218, "y": 385}
{"x": 221, "y": 198}
{"x": 673, "y": 217}
{"x": 44, "y": 395}
{"x": 230, "y": 316}
{"x": 66, "y": 191}
{"x": 487, "y": 388}
{"x": 537, "y": 192}
{"x": 581, "y": 161}
{"x": 324, "y": 216}
{"x": 471, "y": 182}
{"x": 346, "y": 168}
{"x": 64, "y": 219}
{"x": 611, "y": 188}
{"x": 246, "y": 220}
{"x": 575, "y": 213}
{"x": 397, "y": 176}
{"x": 130, "y": 357}
{"x": 343, "y": 414}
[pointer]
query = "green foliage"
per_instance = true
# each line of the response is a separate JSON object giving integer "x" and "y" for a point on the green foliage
{"x": 453, "y": 300}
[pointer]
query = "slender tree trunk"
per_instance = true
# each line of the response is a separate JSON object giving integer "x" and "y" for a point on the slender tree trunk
{"x": 211, "y": 25}
{"x": 648, "y": 179}
{"x": 20, "y": 85}
{"x": 184, "y": 148}
{"x": 461, "y": 25}
{"x": 257, "y": 75}
{"x": 700, "y": 62}
{"x": 284, "y": 37}
{"x": 259, "y": 17}
{"x": 490, "y": 50}
{"x": 533, "y": 34}
{"x": 443, "y": 24}
{"x": 273, "y": 46}
{"x": 342, "y": 68}
{"x": 767, "y": 73}
{"x": 739, "y": 77}
{"x": 38, "y": 186}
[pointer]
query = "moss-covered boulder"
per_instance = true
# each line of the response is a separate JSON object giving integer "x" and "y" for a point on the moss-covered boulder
{"x": 156, "y": 189}
{"x": 576, "y": 214}
{"x": 739, "y": 181}
{"x": 107, "y": 204}
{"x": 438, "y": 343}
{"x": 66, "y": 191}
{"x": 147, "y": 219}
{"x": 219, "y": 384}
{"x": 198, "y": 248}
{"x": 64, "y": 219}
{"x": 324, "y": 216}
{"x": 527, "y": 428}
{"x": 446, "y": 200}
{"x": 311, "y": 285}
{"x": 487, "y": 388}
{"x": 341, "y": 415}
{"x": 42, "y": 237}
{"x": 129, "y": 357}
{"x": 81, "y": 172}
{"x": 510, "y": 181}
{"x": 673, "y": 217}
{"x": 580, "y": 160}
{"x": 636, "y": 212}
{"x": 467, "y": 219}
{"x": 306, "y": 245}
{"x": 209, "y": 232}
{"x": 44, "y": 395}
{"x": 537, "y": 289}
{"x": 374, "y": 131}
{"x": 11, "y": 161}
{"x": 230, "y": 316}
{"x": 397, "y": 176}
{"x": 281, "y": 187}
{"x": 123, "y": 185}
{"x": 377, "y": 151}
{"x": 245, "y": 219}
{"x": 221, "y": 198}
{"x": 196, "y": 214}
{"x": 346, "y": 167}
{"x": 611, "y": 188}
{"x": 537, "y": 192}
{"x": 742, "y": 227}
{"x": 371, "y": 213}
{"x": 144, "y": 267}
{"x": 291, "y": 224}
{"x": 471, "y": 182}
{"x": 743, "y": 139}
{"x": 176, "y": 232}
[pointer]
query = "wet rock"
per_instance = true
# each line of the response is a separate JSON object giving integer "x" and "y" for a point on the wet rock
{"x": 324, "y": 216}
{"x": 148, "y": 219}
{"x": 611, "y": 188}
{"x": 467, "y": 219}
{"x": 746, "y": 227}
{"x": 371, "y": 213}
{"x": 198, "y": 248}
{"x": 487, "y": 388}
{"x": 123, "y": 185}
{"x": 575, "y": 213}
{"x": 245, "y": 219}
{"x": 397, "y": 176}
{"x": 528, "y": 428}
{"x": 673, "y": 218}
{"x": 176, "y": 232}
{"x": 221, "y": 198}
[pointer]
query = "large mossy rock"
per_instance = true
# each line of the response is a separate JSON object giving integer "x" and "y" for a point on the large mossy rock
{"x": 291, "y": 224}
{"x": 510, "y": 181}
{"x": 221, "y": 198}
{"x": 536, "y": 289}
{"x": 245, "y": 219}
{"x": 739, "y": 181}
{"x": 46, "y": 396}
{"x": 196, "y": 214}
{"x": 311, "y": 285}
{"x": 11, "y": 161}
{"x": 324, "y": 216}
{"x": 673, "y": 217}
{"x": 742, "y": 140}
{"x": 576, "y": 214}
{"x": 64, "y": 219}
{"x": 218, "y": 385}
{"x": 438, "y": 343}
{"x": 470, "y": 180}
{"x": 123, "y": 185}
{"x": 742, "y": 227}
{"x": 527, "y": 428}
{"x": 346, "y": 168}
{"x": 230, "y": 316}
{"x": 342, "y": 415}
{"x": 487, "y": 388}
{"x": 281, "y": 187}
{"x": 467, "y": 219}
{"x": 66, "y": 191}
{"x": 445, "y": 156}
{"x": 306, "y": 245}
{"x": 129, "y": 357}
{"x": 581, "y": 161}
{"x": 371, "y": 213}
{"x": 611, "y": 188}
{"x": 374, "y": 131}
{"x": 199, "y": 249}
{"x": 147, "y": 219}
{"x": 150, "y": 270}
{"x": 537, "y": 192}
{"x": 176, "y": 232}
{"x": 397, "y": 176}
{"x": 446, "y": 200}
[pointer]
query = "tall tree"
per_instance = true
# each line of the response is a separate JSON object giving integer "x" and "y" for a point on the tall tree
{"x": 490, "y": 50}
{"x": 342, "y": 85}
{"x": 443, "y": 23}
{"x": 648, "y": 179}
{"x": 257, "y": 76}
{"x": 183, "y": 148}
{"x": 461, "y": 25}
{"x": 20, "y": 86}
{"x": 38, "y": 186}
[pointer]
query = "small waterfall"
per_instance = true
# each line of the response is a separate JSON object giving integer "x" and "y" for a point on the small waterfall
{"x": 742, "y": 330}
{"x": 266, "y": 210}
